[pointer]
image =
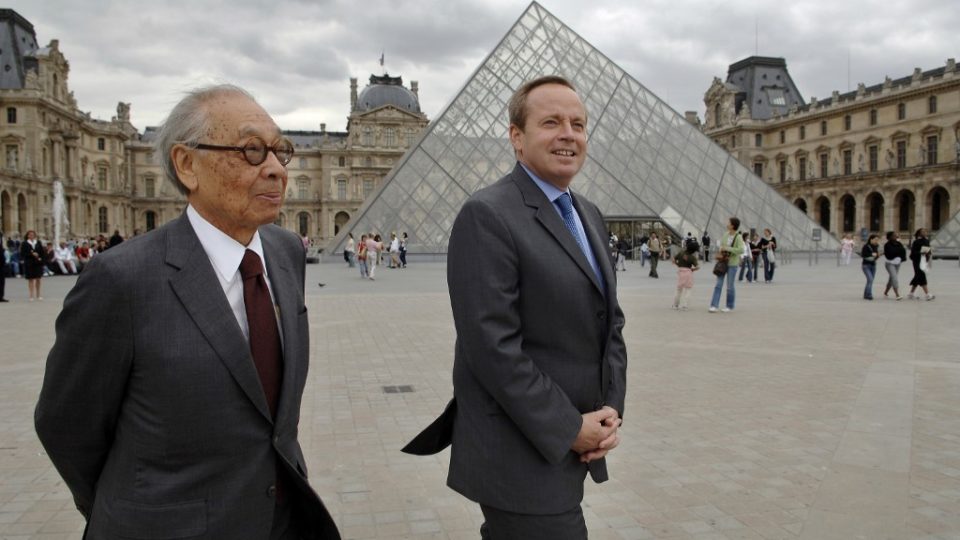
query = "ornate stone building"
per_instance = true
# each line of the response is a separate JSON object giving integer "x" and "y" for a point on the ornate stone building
{"x": 883, "y": 157}
{"x": 46, "y": 139}
{"x": 111, "y": 177}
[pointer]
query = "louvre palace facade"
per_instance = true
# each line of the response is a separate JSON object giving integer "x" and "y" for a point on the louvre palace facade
{"x": 880, "y": 158}
{"x": 111, "y": 177}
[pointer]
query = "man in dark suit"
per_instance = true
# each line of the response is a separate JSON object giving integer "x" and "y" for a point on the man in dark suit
{"x": 539, "y": 373}
{"x": 171, "y": 399}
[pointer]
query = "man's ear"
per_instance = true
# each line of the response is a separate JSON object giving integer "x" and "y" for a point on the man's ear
{"x": 183, "y": 163}
{"x": 516, "y": 139}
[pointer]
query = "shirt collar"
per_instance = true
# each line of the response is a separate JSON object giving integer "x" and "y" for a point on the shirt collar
{"x": 551, "y": 191}
{"x": 224, "y": 252}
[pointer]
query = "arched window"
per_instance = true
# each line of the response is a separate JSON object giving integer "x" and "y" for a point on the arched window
{"x": 339, "y": 220}
{"x": 716, "y": 114}
{"x": 342, "y": 161}
{"x": 849, "y": 208}
{"x": 939, "y": 208}
{"x": 150, "y": 187}
{"x": 390, "y": 137}
{"x": 823, "y": 209}
{"x": 801, "y": 204}
{"x": 341, "y": 189}
{"x": 367, "y": 136}
{"x": 875, "y": 207}
{"x": 905, "y": 203}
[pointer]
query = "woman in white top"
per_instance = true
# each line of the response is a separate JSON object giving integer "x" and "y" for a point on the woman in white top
{"x": 846, "y": 249}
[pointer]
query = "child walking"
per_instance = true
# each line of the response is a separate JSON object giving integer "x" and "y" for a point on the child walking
{"x": 687, "y": 263}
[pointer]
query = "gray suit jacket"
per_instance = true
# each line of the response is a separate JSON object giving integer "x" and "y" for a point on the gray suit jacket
{"x": 538, "y": 343}
{"x": 151, "y": 407}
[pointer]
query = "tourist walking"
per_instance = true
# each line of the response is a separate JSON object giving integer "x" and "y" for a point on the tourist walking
{"x": 768, "y": 249}
{"x": 705, "y": 242}
{"x": 33, "y": 257}
{"x": 746, "y": 261}
{"x": 894, "y": 253}
{"x": 374, "y": 247}
{"x": 870, "y": 254}
{"x": 403, "y": 251}
{"x": 687, "y": 263}
{"x": 362, "y": 256}
{"x": 729, "y": 251}
{"x": 350, "y": 251}
{"x": 656, "y": 250}
{"x": 846, "y": 249}
{"x": 394, "y": 250}
{"x": 920, "y": 256}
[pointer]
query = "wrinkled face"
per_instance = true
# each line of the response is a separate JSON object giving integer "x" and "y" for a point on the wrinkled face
{"x": 553, "y": 143}
{"x": 231, "y": 194}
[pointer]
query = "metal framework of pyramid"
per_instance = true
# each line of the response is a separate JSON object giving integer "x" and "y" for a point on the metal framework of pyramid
{"x": 645, "y": 161}
{"x": 946, "y": 241}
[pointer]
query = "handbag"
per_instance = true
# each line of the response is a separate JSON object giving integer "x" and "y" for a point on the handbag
{"x": 924, "y": 264}
{"x": 722, "y": 265}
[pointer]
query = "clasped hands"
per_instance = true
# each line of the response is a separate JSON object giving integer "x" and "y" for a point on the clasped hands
{"x": 599, "y": 433}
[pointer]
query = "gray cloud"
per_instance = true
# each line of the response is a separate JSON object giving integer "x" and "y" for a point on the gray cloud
{"x": 297, "y": 55}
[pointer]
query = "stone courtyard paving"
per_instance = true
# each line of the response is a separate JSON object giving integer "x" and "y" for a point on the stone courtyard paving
{"x": 806, "y": 413}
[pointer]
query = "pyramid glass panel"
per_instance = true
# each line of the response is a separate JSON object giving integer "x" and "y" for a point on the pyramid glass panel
{"x": 645, "y": 161}
{"x": 947, "y": 239}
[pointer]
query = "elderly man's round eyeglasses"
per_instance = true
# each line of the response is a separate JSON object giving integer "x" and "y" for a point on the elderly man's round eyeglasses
{"x": 255, "y": 151}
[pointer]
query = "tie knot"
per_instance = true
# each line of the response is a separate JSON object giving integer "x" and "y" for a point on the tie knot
{"x": 566, "y": 204}
{"x": 250, "y": 266}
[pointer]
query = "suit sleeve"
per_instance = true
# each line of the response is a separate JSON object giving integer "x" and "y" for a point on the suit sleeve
{"x": 616, "y": 350}
{"x": 484, "y": 279}
{"x": 85, "y": 380}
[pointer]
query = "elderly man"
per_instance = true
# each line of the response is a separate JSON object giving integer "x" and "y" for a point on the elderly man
{"x": 178, "y": 418}
{"x": 539, "y": 373}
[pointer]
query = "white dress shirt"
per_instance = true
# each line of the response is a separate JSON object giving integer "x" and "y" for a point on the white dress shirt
{"x": 225, "y": 255}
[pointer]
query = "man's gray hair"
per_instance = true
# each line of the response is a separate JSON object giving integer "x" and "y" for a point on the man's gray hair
{"x": 187, "y": 123}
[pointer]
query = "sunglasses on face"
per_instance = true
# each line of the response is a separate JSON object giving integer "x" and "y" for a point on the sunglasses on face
{"x": 255, "y": 150}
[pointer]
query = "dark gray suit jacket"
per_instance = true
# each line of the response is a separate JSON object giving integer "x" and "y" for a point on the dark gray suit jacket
{"x": 151, "y": 407}
{"x": 538, "y": 344}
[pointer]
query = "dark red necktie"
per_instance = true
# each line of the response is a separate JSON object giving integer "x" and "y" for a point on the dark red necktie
{"x": 262, "y": 322}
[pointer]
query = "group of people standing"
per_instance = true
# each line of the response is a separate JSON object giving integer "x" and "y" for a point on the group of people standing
{"x": 894, "y": 254}
{"x": 34, "y": 259}
{"x": 735, "y": 252}
{"x": 368, "y": 253}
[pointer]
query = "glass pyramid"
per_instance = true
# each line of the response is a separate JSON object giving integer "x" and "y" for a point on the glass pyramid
{"x": 947, "y": 239}
{"x": 645, "y": 161}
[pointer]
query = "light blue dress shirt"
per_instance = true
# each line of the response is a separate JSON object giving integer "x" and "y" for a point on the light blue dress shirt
{"x": 553, "y": 193}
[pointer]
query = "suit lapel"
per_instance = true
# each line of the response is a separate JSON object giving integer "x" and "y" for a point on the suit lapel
{"x": 284, "y": 283}
{"x": 548, "y": 217}
{"x": 597, "y": 240}
{"x": 199, "y": 290}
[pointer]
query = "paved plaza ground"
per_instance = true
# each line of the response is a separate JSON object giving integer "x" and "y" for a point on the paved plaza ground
{"x": 807, "y": 413}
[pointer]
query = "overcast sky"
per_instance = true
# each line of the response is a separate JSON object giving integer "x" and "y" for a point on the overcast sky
{"x": 296, "y": 56}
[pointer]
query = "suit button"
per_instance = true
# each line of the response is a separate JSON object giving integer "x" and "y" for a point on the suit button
{"x": 276, "y": 439}
{"x": 272, "y": 491}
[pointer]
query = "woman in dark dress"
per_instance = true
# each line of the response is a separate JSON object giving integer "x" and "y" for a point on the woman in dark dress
{"x": 919, "y": 250}
{"x": 32, "y": 256}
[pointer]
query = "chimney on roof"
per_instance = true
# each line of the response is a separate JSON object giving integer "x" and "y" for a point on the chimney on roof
{"x": 353, "y": 93}
{"x": 415, "y": 88}
{"x": 323, "y": 127}
{"x": 917, "y": 74}
{"x": 951, "y": 65}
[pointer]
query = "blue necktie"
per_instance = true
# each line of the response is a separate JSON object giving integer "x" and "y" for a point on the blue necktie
{"x": 566, "y": 210}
